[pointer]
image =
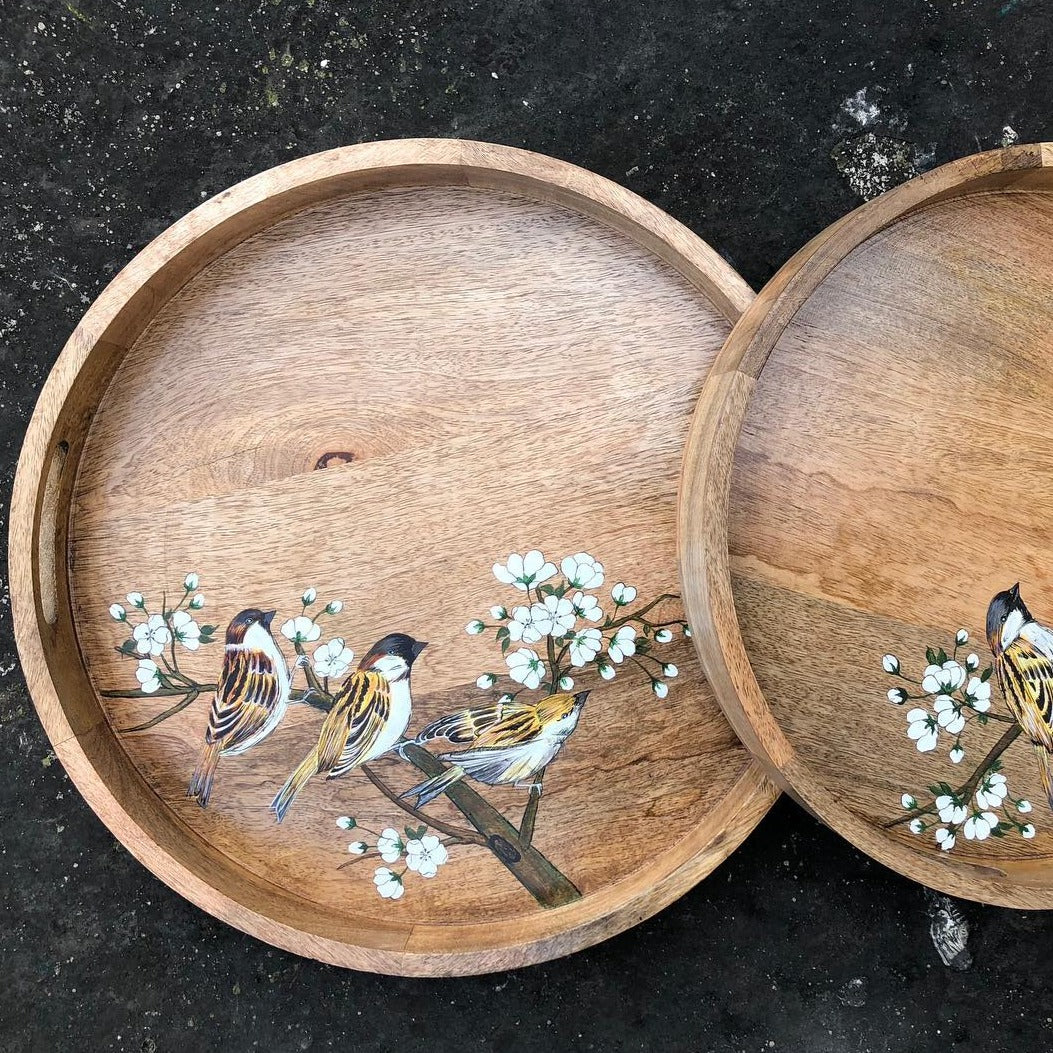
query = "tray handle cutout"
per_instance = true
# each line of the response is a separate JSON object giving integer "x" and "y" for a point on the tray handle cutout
{"x": 48, "y": 534}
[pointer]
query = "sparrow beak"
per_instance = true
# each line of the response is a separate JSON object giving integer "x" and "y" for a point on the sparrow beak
{"x": 268, "y": 617}
{"x": 1014, "y": 592}
{"x": 579, "y": 698}
{"x": 418, "y": 646}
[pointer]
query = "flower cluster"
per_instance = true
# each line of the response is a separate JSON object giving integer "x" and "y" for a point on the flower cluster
{"x": 418, "y": 852}
{"x": 561, "y": 628}
{"x": 156, "y": 636}
{"x": 950, "y": 695}
{"x": 330, "y": 659}
{"x": 989, "y": 811}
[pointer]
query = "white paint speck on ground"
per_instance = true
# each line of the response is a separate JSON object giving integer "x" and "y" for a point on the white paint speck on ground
{"x": 860, "y": 108}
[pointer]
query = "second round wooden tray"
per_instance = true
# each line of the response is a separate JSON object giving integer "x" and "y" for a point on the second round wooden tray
{"x": 867, "y": 527}
{"x": 404, "y": 415}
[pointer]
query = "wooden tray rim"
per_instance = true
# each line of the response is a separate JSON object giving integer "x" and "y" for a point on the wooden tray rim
{"x": 705, "y": 569}
{"x": 122, "y": 799}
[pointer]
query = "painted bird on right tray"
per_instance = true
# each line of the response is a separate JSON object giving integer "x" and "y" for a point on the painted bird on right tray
{"x": 1023, "y": 653}
{"x": 509, "y": 742}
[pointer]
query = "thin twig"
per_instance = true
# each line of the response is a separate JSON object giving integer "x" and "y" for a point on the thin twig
{"x": 469, "y": 836}
{"x": 191, "y": 696}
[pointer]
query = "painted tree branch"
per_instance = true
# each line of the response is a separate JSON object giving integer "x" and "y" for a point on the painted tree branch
{"x": 548, "y": 885}
{"x": 968, "y": 788}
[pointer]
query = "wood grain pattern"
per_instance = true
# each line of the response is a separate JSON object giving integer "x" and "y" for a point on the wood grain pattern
{"x": 882, "y": 469}
{"x": 377, "y": 371}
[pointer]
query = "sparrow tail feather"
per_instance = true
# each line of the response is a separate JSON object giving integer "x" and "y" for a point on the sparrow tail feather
{"x": 201, "y": 781}
{"x": 1045, "y": 769}
{"x": 293, "y": 785}
{"x": 431, "y": 788}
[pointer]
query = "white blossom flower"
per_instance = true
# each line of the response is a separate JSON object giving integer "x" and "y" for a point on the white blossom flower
{"x": 659, "y": 688}
{"x": 524, "y": 572}
{"x": 585, "y": 644}
{"x": 388, "y": 883}
{"x": 486, "y": 681}
{"x": 943, "y": 679}
{"x": 190, "y": 582}
{"x": 587, "y": 607}
{"x": 425, "y": 855}
{"x": 950, "y": 809}
{"x": 333, "y": 658}
{"x": 301, "y": 629}
{"x": 663, "y": 636}
{"x": 923, "y": 729}
{"x": 1027, "y": 830}
{"x": 607, "y": 671}
{"x": 147, "y": 675}
{"x": 498, "y": 613}
{"x": 670, "y": 671}
{"x": 309, "y": 596}
{"x": 186, "y": 630}
{"x": 334, "y": 606}
{"x": 345, "y": 822}
{"x": 582, "y": 571}
{"x": 1023, "y": 806}
{"x": 152, "y": 636}
{"x": 566, "y": 683}
{"x": 957, "y": 755}
{"x": 908, "y": 801}
{"x": 475, "y": 627}
{"x": 118, "y": 613}
{"x": 979, "y": 694}
{"x": 197, "y": 602}
{"x": 525, "y": 667}
{"x": 357, "y": 848}
{"x": 972, "y": 662}
{"x": 979, "y": 825}
{"x": 623, "y": 594}
{"x": 945, "y": 839}
{"x": 553, "y": 617}
{"x": 390, "y": 845}
{"x": 890, "y": 663}
{"x": 949, "y": 714}
{"x": 961, "y": 637}
{"x": 622, "y": 644}
{"x": 897, "y": 696}
{"x": 992, "y": 791}
{"x": 522, "y": 627}
{"x": 916, "y": 826}
{"x": 136, "y": 600}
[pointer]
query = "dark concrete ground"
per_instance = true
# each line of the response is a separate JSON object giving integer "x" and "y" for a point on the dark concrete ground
{"x": 757, "y": 124}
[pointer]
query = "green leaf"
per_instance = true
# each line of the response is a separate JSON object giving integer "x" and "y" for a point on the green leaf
{"x": 128, "y": 647}
{"x": 986, "y": 675}
{"x": 982, "y": 718}
{"x": 930, "y": 656}
{"x": 502, "y": 633}
{"x": 504, "y": 645}
{"x": 941, "y": 656}
{"x": 210, "y": 629}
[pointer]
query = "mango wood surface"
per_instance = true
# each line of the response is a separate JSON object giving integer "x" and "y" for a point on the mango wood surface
{"x": 377, "y": 372}
{"x": 868, "y": 467}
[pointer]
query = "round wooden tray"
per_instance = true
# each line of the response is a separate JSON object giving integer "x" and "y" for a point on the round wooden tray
{"x": 395, "y": 393}
{"x": 874, "y": 437}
